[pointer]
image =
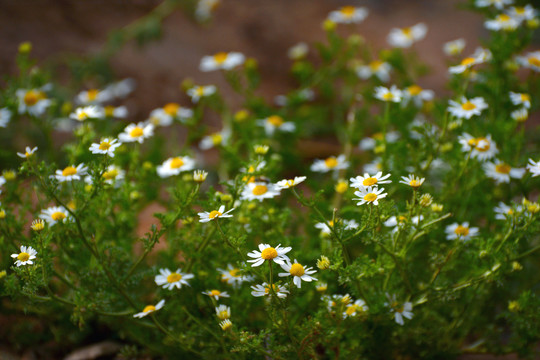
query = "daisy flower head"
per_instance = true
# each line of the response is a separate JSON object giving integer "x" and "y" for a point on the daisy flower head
{"x": 480, "y": 56}
{"x": 198, "y": 92}
{"x": 348, "y": 15}
{"x": 106, "y": 146}
{"x": 37, "y": 225}
{"x": 223, "y": 312}
{"x": 369, "y": 195}
{"x": 266, "y": 252}
{"x": 33, "y": 102}
{"x": 399, "y": 222}
{"x": 331, "y": 163}
{"x": 214, "y": 214}
{"x": 175, "y": 165}
{"x": 505, "y": 212}
{"x": 298, "y": 272}
{"x": 377, "y": 68}
{"x": 199, "y": 176}
{"x": 499, "y": 4}
{"x": 388, "y": 95}
{"x": 70, "y": 173}
{"x": 502, "y": 22}
{"x": 454, "y": 47}
{"x": 326, "y": 230}
{"x": 87, "y": 112}
{"x": 520, "y": 115}
{"x": 265, "y": 290}
{"x": 520, "y": 13}
{"x": 259, "y": 191}
{"x": 413, "y": 181}
{"x": 369, "y": 180}
{"x": 530, "y": 60}
{"x": 357, "y": 308}
{"x": 216, "y": 139}
{"x": 25, "y": 257}
{"x": 288, "y": 183}
{"x": 460, "y": 231}
{"x": 337, "y": 301}
{"x": 502, "y": 172}
{"x": 233, "y": 276}
{"x": 275, "y": 122}
{"x": 404, "y": 38}
{"x": 534, "y": 167}
{"x": 298, "y": 51}
{"x": 520, "y": 99}
{"x": 113, "y": 174}
{"x": 27, "y": 152}
{"x": 222, "y": 61}
{"x": 226, "y": 325}
{"x": 136, "y": 133}
{"x": 370, "y": 142}
{"x": 467, "y": 108}
{"x": 417, "y": 95}
{"x": 55, "y": 214}
{"x": 170, "y": 280}
{"x": 150, "y": 309}
{"x": 165, "y": 116}
{"x": 216, "y": 294}
{"x": 481, "y": 148}
{"x": 117, "y": 112}
{"x": 399, "y": 310}
{"x": 5, "y": 117}
{"x": 93, "y": 96}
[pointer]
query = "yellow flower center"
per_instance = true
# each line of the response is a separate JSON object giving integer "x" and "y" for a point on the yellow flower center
{"x": 346, "y": 299}
{"x": 369, "y": 181}
{"x": 525, "y": 97}
{"x": 82, "y": 115}
{"x": 213, "y": 214}
{"x": 378, "y": 136}
{"x": 174, "y": 277}
{"x": 171, "y": 108}
{"x": 234, "y": 272}
{"x": 468, "y": 106}
{"x": 216, "y": 138}
{"x": 267, "y": 289}
{"x": 388, "y": 96}
{"x": 468, "y": 61}
{"x": 347, "y": 11}
{"x": 520, "y": 10}
{"x": 275, "y": 120}
{"x": 259, "y": 190}
{"x": 370, "y": 197}
{"x": 58, "y": 216}
{"x": 70, "y": 170}
{"x": 407, "y": 32}
{"x": 503, "y": 18}
{"x": 341, "y": 187}
{"x": 32, "y": 97}
{"x": 401, "y": 219}
{"x": 351, "y": 309}
{"x": 23, "y": 256}
{"x": 502, "y": 168}
{"x": 331, "y": 162}
{"x": 149, "y": 308}
{"x": 92, "y": 94}
{"x": 534, "y": 61}
{"x": 510, "y": 212}
{"x": 220, "y": 57}
{"x": 462, "y": 231}
{"x": 415, "y": 183}
{"x": 269, "y": 253}
{"x": 110, "y": 175}
{"x": 177, "y": 162}
{"x": 375, "y": 65}
{"x": 297, "y": 270}
{"x": 414, "y": 90}
{"x": 482, "y": 144}
{"x": 104, "y": 145}
{"x": 215, "y": 293}
{"x": 109, "y": 110}
{"x": 224, "y": 314}
{"x": 136, "y": 132}
{"x": 199, "y": 91}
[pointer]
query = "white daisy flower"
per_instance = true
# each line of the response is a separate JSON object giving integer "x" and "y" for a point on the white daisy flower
{"x": 502, "y": 22}
{"x": 233, "y": 276}
{"x": 370, "y": 195}
{"x": 454, "y": 47}
{"x": 481, "y": 148}
{"x": 94, "y": 96}
{"x": 461, "y": 232}
{"x": 400, "y": 310}
{"x": 377, "y": 68}
{"x": 216, "y": 139}
{"x": 106, "y": 146}
{"x": 370, "y": 142}
{"x": 118, "y": 112}
{"x": 499, "y": 4}
{"x": 298, "y": 272}
{"x": 199, "y": 176}
{"x": 174, "y": 166}
{"x": 205, "y": 8}
{"x": 502, "y": 172}
{"x": 264, "y": 290}
{"x": 150, "y": 309}
{"x": 222, "y": 61}
{"x": 417, "y": 95}
{"x": 393, "y": 94}
{"x": 87, "y": 112}
{"x": 5, "y": 117}
{"x": 336, "y": 301}
{"x": 259, "y": 191}
{"x": 530, "y": 60}
{"x": 275, "y": 122}
{"x": 347, "y": 225}
{"x": 522, "y": 13}
{"x": 399, "y": 222}
{"x": 412, "y": 181}
{"x": 55, "y": 214}
{"x": 520, "y": 115}
{"x": 113, "y": 175}
{"x": 33, "y": 102}
{"x": 165, "y": 116}
{"x": 27, "y": 152}
{"x": 198, "y": 92}
{"x": 369, "y": 180}
{"x": 214, "y": 214}
{"x": 467, "y": 108}
{"x": 70, "y": 173}
{"x": 520, "y": 99}
{"x": 223, "y": 312}
{"x": 534, "y": 167}
{"x": 122, "y": 88}
{"x": 356, "y": 308}
{"x": 348, "y": 15}
{"x": 404, "y": 38}
{"x": 480, "y": 56}
{"x": 170, "y": 280}
{"x": 504, "y": 212}
{"x": 330, "y": 164}
{"x": 25, "y": 257}
{"x": 374, "y": 166}
{"x": 216, "y": 294}
{"x": 136, "y": 132}
{"x": 288, "y": 183}
{"x": 266, "y": 252}
{"x": 298, "y": 51}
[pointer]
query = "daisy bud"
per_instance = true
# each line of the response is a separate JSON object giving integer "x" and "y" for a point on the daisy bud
{"x": 37, "y": 225}
{"x": 25, "y": 47}
{"x": 341, "y": 186}
{"x": 241, "y": 115}
{"x": 329, "y": 25}
{"x": 426, "y": 200}
{"x": 147, "y": 165}
{"x": 3, "y": 273}
{"x": 199, "y": 176}
{"x": 516, "y": 266}
{"x": 225, "y": 325}
{"x": 436, "y": 207}
{"x": 323, "y": 263}
{"x": 9, "y": 175}
{"x": 533, "y": 23}
{"x": 2, "y": 214}
{"x": 261, "y": 149}
{"x": 513, "y": 306}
